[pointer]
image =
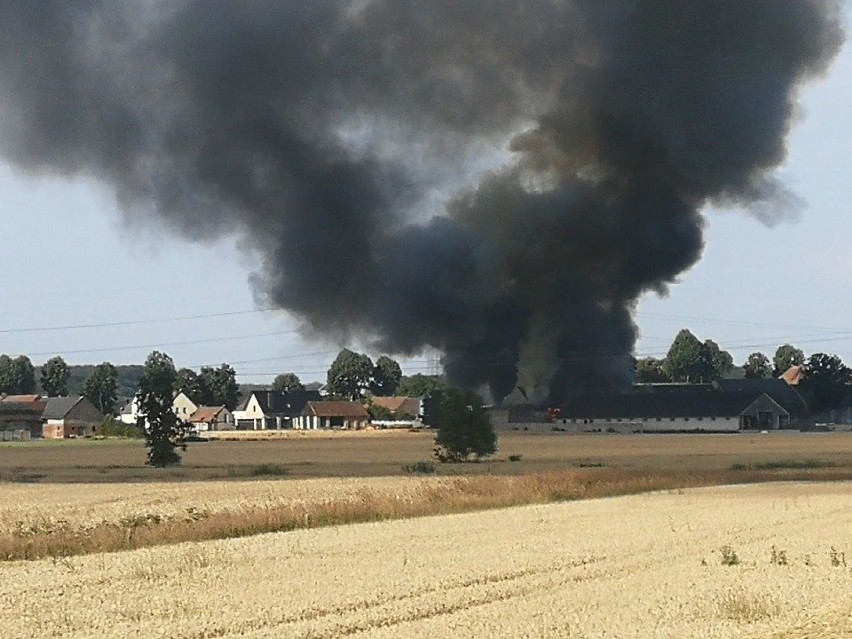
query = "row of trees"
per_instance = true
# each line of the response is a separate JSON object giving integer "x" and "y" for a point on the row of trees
{"x": 208, "y": 387}
{"x": 18, "y": 377}
{"x": 353, "y": 376}
{"x": 826, "y": 381}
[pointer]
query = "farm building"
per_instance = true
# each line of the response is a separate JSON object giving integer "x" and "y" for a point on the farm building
{"x": 689, "y": 410}
{"x": 22, "y": 413}
{"x": 206, "y": 418}
{"x": 348, "y": 415}
{"x": 74, "y": 416}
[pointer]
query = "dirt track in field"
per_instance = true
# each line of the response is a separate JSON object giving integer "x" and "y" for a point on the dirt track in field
{"x": 642, "y": 566}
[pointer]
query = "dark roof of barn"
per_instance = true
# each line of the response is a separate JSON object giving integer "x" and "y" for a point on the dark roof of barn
{"x": 698, "y": 403}
{"x": 59, "y": 407}
{"x": 779, "y": 390}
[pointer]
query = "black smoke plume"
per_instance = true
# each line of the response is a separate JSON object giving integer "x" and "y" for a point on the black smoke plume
{"x": 497, "y": 179}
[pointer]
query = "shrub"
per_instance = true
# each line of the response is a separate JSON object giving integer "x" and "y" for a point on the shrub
{"x": 423, "y": 467}
{"x": 464, "y": 428}
{"x": 515, "y": 458}
{"x": 114, "y": 428}
{"x": 729, "y": 556}
{"x": 269, "y": 470}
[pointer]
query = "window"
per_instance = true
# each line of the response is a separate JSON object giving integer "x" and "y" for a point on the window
{"x": 659, "y": 419}
{"x": 686, "y": 419}
{"x": 712, "y": 419}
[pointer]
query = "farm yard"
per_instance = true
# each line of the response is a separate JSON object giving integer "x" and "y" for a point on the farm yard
{"x": 343, "y": 534}
{"x": 767, "y": 561}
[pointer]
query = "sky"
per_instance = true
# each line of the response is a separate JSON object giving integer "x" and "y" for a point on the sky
{"x": 81, "y": 282}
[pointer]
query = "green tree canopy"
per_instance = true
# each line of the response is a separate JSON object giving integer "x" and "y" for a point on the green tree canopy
{"x": 17, "y": 375}
{"x": 716, "y": 362}
{"x": 221, "y": 386}
{"x": 826, "y": 381}
{"x": 164, "y": 430}
{"x": 420, "y": 385}
{"x": 650, "y": 370}
{"x": 54, "y": 377}
{"x": 685, "y": 361}
{"x": 785, "y": 357}
{"x": 387, "y": 376}
{"x": 464, "y": 428}
{"x": 193, "y": 385}
{"x": 287, "y": 382}
{"x": 757, "y": 366}
{"x": 350, "y": 375}
{"x": 100, "y": 387}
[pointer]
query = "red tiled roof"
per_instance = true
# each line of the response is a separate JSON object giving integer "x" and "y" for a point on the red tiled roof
{"x": 206, "y": 414}
{"x": 794, "y": 375}
{"x": 408, "y": 405}
{"x": 336, "y": 409}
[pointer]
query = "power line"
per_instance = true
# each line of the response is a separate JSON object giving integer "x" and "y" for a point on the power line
{"x": 41, "y": 329}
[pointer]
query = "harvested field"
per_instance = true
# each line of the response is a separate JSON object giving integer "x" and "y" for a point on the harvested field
{"x": 385, "y": 453}
{"x": 644, "y": 566}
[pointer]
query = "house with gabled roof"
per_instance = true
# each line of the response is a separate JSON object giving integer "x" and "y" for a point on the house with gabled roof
{"x": 265, "y": 409}
{"x": 68, "y": 417}
{"x": 207, "y": 418}
{"x": 336, "y": 414}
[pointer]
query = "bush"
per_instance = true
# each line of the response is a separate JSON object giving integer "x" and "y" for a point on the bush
{"x": 515, "y": 458}
{"x": 424, "y": 467}
{"x": 464, "y": 428}
{"x": 114, "y": 428}
{"x": 269, "y": 470}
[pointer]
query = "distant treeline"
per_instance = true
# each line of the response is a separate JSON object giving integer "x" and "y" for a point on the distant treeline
{"x": 128, "y": 378}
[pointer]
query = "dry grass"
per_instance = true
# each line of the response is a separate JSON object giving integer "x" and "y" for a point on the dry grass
{"x": 384, "y": 453}
{"x": 60, "y": 521}
{"x": 628, "y": 567}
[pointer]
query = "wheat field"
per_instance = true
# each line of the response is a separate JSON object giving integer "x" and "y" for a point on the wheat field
{"x": 760, "y": 561}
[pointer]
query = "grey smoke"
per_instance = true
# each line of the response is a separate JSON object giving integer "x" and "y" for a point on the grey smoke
{"x": 500, "y": 180}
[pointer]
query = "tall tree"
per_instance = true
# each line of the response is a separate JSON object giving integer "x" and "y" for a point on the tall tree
{"x": 757, "y": 366}
{"x": 17, "y": 376}
{"x": 387, "y": 376}
{"x": 716, "y": 362}
{"x": 191, "y": 384}
{"x": 420, "y": 385}
{"x": 785, "y": 357}
{"x": 164, "y": 430}
{"x": 221, "y": 386}
{"x": 54, "y": 377}
{"x": 826, "y": 382}
{"x": 464, "y": 428}
{"x": 287, "y": 382}
{"x": 650, "y": 370}
{"x": 101, "y": 387}
{"x": 349, "y": 375}
{"x": 685, "y": 361}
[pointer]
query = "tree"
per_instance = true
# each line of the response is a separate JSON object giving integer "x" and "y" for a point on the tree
{"x": 650, "y": 370}
{"x": 17, "y": 376}
{"x": 420, "y": 385}
{"x": 387, "y": 376}
{"x": 785, "y": 357}
{"x": 757, "y": 366}
{"x": 349, "y": 375}
{"x": 826, "y": 381}
{"x": 286, "y": 382}
{"x": 54, "y": 377}
{"x": 164, "y": 430}
{"x": 221, "y": 385}
{"x": 464, "y": 428}
{"x": 685, "y": 361}
{"x": 193, "y": 385}
{"x": 101, "y": 387}
{"x": 716, "y": 362}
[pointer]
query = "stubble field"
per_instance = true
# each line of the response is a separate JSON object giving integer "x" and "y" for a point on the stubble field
{"x": 761, "y": 561}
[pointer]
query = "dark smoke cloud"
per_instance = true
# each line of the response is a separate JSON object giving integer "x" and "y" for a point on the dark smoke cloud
{"x": 497, "y": 179}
